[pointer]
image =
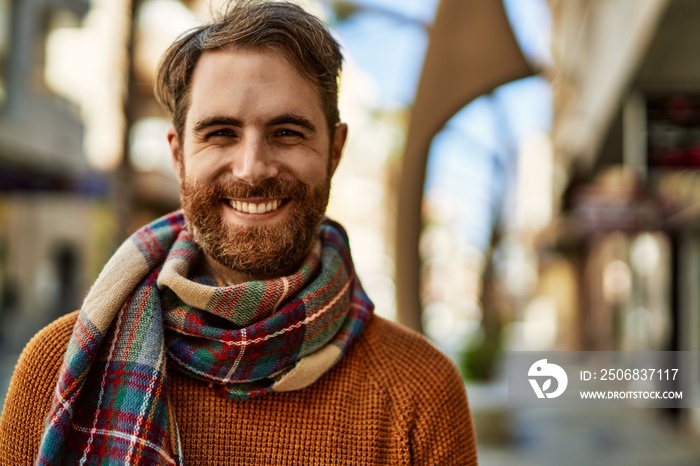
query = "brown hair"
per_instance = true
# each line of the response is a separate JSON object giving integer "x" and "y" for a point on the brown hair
{"x": 279, "y": 26}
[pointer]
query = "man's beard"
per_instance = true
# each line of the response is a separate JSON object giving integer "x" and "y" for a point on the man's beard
{"x": 258, "y": 251}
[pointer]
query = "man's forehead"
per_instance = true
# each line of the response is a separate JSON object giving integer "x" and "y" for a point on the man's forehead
{"x": 210, "y": 57}
{"x": 263, "y": 83}
{"x": 280, "y": 56}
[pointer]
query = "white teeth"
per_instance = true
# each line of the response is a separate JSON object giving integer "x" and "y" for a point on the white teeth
{"x": 251, "y": 208}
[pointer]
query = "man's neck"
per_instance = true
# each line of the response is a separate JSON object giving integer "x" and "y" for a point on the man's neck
{"x": 224, "y": 276}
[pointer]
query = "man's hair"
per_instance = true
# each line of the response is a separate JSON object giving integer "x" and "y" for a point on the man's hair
{"x": 277, "y": 26}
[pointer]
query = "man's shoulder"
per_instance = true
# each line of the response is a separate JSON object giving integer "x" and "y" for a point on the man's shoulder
{"x": 402, "y": 356}
{"x": 50, "y": 342}
{"x": 31, "y": 390}
{"x": 404, "y": 345}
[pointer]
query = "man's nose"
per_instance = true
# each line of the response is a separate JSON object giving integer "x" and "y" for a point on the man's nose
{"x": 254, "y": 161}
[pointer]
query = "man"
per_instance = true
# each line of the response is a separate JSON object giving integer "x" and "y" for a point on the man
{"x": 236, "y": 331}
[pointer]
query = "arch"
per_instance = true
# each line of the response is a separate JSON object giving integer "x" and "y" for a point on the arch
{"x": 472, "y": 50}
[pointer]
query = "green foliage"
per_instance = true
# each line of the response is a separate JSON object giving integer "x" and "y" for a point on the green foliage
{"x": 479, "y": 360}
{"x": 343, "y": 10}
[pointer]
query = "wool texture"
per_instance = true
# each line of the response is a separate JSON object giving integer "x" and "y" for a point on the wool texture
{"x": 393, "y": 399}
{"x": 111, "y": 404}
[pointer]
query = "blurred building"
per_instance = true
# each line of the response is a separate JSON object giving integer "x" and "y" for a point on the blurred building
{"x": 626, "y": 137}
{"x": 49, "y": 198}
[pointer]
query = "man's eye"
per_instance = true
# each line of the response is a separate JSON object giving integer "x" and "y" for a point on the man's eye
{"x": 288, "y": 133}
{"x": 219, "y": 133}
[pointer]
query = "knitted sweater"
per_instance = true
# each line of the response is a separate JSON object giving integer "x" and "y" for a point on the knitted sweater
{"x": 392, "y": 399}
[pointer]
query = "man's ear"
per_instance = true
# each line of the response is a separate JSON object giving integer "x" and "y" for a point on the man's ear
{"x": 339, "y": 136}
{"x": 175, "y": 151}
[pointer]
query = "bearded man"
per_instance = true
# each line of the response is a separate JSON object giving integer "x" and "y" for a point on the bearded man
{"x": 236, "y": 331}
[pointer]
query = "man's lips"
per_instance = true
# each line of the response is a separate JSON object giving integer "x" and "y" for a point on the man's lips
{"x": 251, "y": 206}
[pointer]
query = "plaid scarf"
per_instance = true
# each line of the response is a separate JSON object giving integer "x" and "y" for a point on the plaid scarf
{"x": 111, "y": 402}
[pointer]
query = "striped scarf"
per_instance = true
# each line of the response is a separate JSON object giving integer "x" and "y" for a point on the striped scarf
{"x": 111, "y": 401}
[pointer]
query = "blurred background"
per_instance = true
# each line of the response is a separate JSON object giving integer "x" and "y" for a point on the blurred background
{"x": 519, "y": 175}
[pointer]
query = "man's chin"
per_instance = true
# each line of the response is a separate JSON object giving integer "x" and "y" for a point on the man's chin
{"x": 258, "y": 251}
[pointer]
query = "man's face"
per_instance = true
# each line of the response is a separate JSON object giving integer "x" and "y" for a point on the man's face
{"x": 256, "y": 161}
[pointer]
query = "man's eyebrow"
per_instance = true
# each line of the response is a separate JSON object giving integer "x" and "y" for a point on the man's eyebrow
{"x": 284, "y": 119}
{"x": 292, "y": 119}
{"x": 216, "y": 120}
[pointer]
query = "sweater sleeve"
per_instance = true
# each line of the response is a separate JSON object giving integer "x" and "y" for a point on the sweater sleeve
{"x": 31, "y": 390}
{"x": 443, "y": 432}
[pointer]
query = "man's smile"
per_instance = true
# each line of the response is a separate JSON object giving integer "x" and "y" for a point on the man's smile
{"x": 255, "y": 207}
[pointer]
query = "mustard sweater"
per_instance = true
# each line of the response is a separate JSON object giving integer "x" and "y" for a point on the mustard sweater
{"x": 392, "y": 399}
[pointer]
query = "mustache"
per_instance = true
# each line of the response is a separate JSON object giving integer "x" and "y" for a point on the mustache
{"x": 268, "y": 188}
